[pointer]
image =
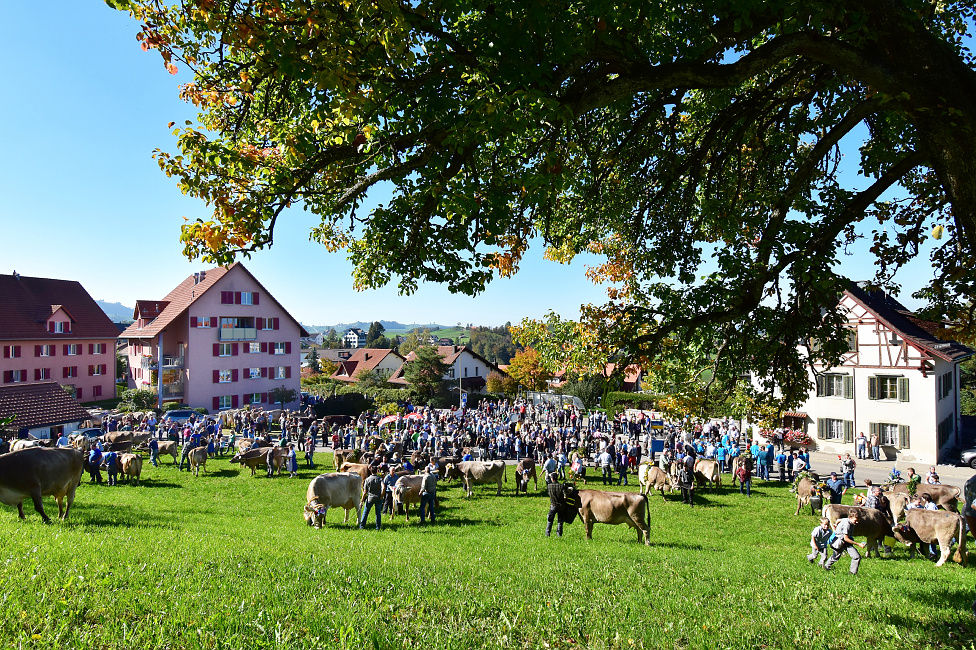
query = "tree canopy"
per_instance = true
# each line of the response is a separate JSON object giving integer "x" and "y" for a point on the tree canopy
{"x": 694, "y": 147}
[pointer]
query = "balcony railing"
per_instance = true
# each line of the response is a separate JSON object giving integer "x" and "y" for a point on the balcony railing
{"x": 238, "y": 333}
{"x": 173, "y": 390}
{"x": 149, "y": 363}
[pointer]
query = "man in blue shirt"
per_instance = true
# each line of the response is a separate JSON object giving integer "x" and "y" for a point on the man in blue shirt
{"x": 837, "y": 487}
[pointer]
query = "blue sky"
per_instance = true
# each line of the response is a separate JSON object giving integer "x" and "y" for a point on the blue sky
{"x": 82, "y": 198}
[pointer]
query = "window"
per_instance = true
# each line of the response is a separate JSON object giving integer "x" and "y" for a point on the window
{"x": 465, "y": 371}
{"x": 944, "y": 432}
{"x": 96, "y": 348}
{"x": 14, "y": 376}
{"x": 224, "y": 402}
{"x": 894, "y": 435}
{"x": 60, "y": 327}
{"x": 72, "y": 349}
{"x": 945, "y": 384}
{"x": 97, "y": 391}
{"x": 69, "y": 371}
{"x": 224, "y": 349}
{"x": 96, "y": 370}
{"x": 254, "y": 348}
{"x": 41, "y": 374}
{"x": 280, "y": 372}
{"x": 224, "y": 377}
{"x": 268, "y": 323}
{"x": 239, "y": 298}
{"x": 247, "y": 298}
{"x": 11, "y": 352}
{"x": 279, "y": 348}
{"x": 254, "y": 398}
{"x": 254, "y": 373}
{"x": 44, "y": 350}
{"x": 888, "y": 387}
{"x": 835, "y": 385}
{"x": 233, "y": 328}
{"x": 450, "y": 372}
{"x": 831, "y": 429}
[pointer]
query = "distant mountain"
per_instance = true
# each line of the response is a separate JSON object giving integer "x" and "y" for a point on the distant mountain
{"x": 116, "y": 311}
{"x": 390, "y": 325}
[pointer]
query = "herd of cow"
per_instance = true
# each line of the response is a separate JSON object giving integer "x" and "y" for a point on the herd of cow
{"x": 33, "y": 471}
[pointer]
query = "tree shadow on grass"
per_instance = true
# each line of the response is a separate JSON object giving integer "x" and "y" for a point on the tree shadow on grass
{"x": 156, "y": 484}
{"x": 117, "y": 516}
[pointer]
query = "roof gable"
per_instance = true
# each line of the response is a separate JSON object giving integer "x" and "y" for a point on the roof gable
{"x": 39, "y": 404}
{"x": 27, "y": 304}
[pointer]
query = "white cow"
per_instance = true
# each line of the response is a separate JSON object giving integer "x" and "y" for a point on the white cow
{"x": 340, "y": 490}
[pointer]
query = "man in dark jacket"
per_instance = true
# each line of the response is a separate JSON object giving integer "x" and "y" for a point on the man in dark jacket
{"x": 373, "y": 491}
{"x": 563, "y": 503}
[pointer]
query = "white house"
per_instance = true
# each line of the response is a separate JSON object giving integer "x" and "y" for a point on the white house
{"x": 466, "y": 370}
{"x": 355, "y": 337}
{"x": 899, "y": 380}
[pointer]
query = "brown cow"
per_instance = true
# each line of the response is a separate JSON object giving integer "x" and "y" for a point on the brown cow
{"x": 475, "y": 471}
{"x": 252, "y": 457}
{"x": 198, "y": 459}
{"x": 345, "y": 456}
{"x": 168, "y": 448}
{"x": 39, "y": 472}
{"x": 131, "y": 467}
{"x": 356, "y": 468}
{"x": 332, "y": 491}
{"x": 406, "y": 491}
{"x": 944, "y": 496}
{"x": 930, "y": 526}
{"x": 652, "y": 477}
{"x": 870, "y": 524}
{"x": 707, "y": 471}
{"x": 805, "y": 490}
{"x": 597, "y": 506}
{"x": 898, "y": 501}
{"x": 525, "y": 470}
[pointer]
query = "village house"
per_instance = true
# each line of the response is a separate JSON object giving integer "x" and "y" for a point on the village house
{"x": 467, "y": 370}
{"x": 43, "y": 409}
{"x": 218, "y": 340}
{"x": 52, "y": 330}
{"x": 365, "y": 360}
{"x": 899, "y": 380}
{"x": 355, "y": 337}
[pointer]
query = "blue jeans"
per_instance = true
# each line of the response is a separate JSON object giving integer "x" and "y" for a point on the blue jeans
{"x": 748, "y": 486}
{"x": 849, "y": 478}
{"x": 377, "y": 506}
{"x": 622, "y": 475}
{"x": 427, "y": 506}
{"x": 876, "y": 453}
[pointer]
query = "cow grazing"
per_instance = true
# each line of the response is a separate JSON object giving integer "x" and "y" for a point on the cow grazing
{"x": 356, "y": 468}
{"x": 475, "y": 471}
{"x": 131, "y": 467}
{"x": 168, "y": 448}
{"x": 930, "y": 526}
{"x": 198, "y": 460}
{"x": 406, "y": 491}
{"x": 340, "y": 490}
{"x": 945, "y": 496}
{"x": 524, "y": 471}
{"x": 870, "y": 524}
{"x": 707, "y": 471}
{"x": 597, "y": 506}
{"x": 653, "y": 477}
{"x": 38, "y": 472}
{"x": 252, "y": 457}
{"x": 805, "y": 490}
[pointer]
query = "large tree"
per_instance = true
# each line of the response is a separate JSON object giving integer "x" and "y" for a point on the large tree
{"x": 425, "y": 372}
{"x": 696, "y": 147}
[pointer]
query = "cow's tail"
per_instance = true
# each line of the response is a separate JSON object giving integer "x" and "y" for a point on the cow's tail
{"x": 505, "y": 471}
{"x": 647, "y": 511}
{"x": 961, "y": 556}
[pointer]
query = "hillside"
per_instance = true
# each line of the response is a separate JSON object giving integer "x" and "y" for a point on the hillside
{"x": 391, "y": 326}
{"x": 116, "y": 311}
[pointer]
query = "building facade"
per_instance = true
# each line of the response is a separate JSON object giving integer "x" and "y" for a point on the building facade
{"x": 355, "y": 338}
{"x": 467, "y": 370}
{"x": 219, "y": 340}
{"x": 383, "y": 361}
{"x": 899, "y": 380}
{"x": 52, "y": 330}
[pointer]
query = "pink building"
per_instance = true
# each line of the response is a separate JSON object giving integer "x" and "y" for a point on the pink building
{"x": 52, "y": 330}
{"x": 219, "y": 340}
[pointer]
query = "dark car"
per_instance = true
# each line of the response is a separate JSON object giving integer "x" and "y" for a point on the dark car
{"x": 91, "y": 434}
{"x": 179, "y": 416}
{"x": 968, "y": 457}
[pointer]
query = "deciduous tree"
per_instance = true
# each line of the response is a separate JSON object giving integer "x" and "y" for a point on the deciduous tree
{"x": 425, "y": 372}
{"x": 694, "y": 147}
{"x": 528, "y": 370}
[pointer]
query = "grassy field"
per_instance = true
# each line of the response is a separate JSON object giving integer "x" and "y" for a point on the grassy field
{"x": 226, "y": 561}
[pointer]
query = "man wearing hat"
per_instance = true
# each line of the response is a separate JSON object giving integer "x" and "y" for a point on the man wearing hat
{"x": 837, "y": 487}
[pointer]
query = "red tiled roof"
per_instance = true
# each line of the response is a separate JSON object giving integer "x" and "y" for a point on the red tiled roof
{"x": 39, "y": 404}
{"x": 148, "y": 309}
{"x": 362, "y": 360}
{"x": 185, "y": 293}
{"x": 27, "y": 303}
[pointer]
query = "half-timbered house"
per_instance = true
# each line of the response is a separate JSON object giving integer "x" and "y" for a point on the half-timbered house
{"x": 899, "y": 380}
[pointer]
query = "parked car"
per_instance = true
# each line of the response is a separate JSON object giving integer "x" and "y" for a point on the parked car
{"x": 968, "y": 457}
{"x": 91, "y": 434}
{"x": 180, "y": 416}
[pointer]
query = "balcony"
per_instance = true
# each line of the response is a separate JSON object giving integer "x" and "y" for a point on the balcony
{"x": 238, "y": 333}
{"x": 149, "y": 363}
{"x": 173, "y": 390}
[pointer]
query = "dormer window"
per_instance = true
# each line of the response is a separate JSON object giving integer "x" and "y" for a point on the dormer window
{"x": 59, "y": 327}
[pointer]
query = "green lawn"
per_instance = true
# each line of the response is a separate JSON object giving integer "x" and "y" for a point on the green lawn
{"x": 226, "y": 561}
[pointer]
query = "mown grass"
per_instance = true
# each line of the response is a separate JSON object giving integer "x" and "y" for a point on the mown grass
{"x": 226, "y": 561}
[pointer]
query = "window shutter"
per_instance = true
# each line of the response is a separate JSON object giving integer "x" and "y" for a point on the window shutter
{"x": 820, "y": 385}
{"x": 65, "y": 372}
{"x": 91, "y": 371}
{"x": 264, "y": 347}
{"x": 6, "y": 352}
{"x": 50, "y": 326}
{"x": 260, "y": 323}
{"x": 237, "y": 297}
{"x": 848, "y": 387}
{"x": 78, "y": 393}
{"x": 872, "y": 388}
{"x": 255, "y": 298}
{"x": 213, "y": 322}
{"x": 64, "y": 349}
{"x": 54, "y": 350}
{"x": 938, "y": 387}
{"x": 216, "y": 376}
{"x": 903, "y": 389}
{"x": 821, "y": 427}
{"x": 234, "y": 349}
{"x": 287, "y": 347}
{"x": 91, "y": 348}
{"x": 226, "y": 297}
{"x": 903, "y": 440}
{"x": 37, "y": 350}
{"x": 264, "y": 372}
{"x": 875, "y": 430}
{"x": 216, "y": 403}
{"x": 233, "y": 374}
{"x": 233, "y": 401}
{"x": 37, "y": 374}
{"x": 193, "y": 321}
{"x": 287, "y": 372}
{"x": 216, "y": 349}
{"x": 264, "y": 398}
{"x": 8, "y": 376}
{"x": 848, "y": 431}
{"x": 276, "y": 323}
